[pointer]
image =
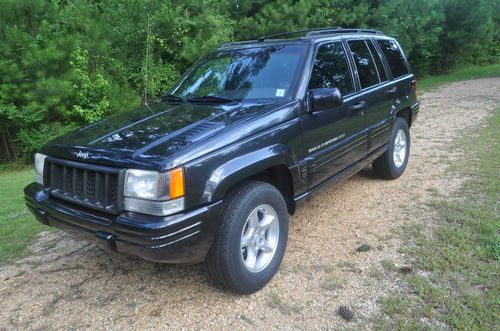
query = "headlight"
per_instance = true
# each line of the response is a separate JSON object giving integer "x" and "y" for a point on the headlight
{"x": 145, "y": 184}
{"x": 155, "y": 193}
{"x": 39, "y": 164}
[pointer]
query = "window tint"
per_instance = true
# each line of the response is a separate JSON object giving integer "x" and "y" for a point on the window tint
{"x": 394, "y": 57}
{"x": 331, "y": 69}
{"x": 380, "y": 68}
{"x": 364, "y": 63}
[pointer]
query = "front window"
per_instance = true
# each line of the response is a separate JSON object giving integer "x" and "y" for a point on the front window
{"x": 331, "y": 69}
{"x": 256, "y": 73}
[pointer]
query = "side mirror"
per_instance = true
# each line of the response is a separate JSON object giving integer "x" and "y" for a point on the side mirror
{"x": 325, "y": 98}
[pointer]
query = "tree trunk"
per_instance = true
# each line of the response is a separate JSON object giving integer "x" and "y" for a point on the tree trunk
{"x": 14, "y": 155}
{"x": 6, "y": 148}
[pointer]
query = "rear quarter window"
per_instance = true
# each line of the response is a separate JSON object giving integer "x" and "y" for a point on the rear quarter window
{"x": 394, "y": 57}
{"x": 380, "y": 68}
{"x": 363, "y": 59}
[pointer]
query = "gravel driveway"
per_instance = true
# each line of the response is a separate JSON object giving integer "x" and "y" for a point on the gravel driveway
{"x": 67, "y": 283}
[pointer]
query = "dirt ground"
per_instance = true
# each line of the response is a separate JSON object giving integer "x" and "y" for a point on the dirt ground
{"x": 70, "y": 284}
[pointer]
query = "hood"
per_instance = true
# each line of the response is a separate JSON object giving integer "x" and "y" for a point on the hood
{"x": 154, "y": 136}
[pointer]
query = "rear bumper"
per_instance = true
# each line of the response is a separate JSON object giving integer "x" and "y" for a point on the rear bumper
{"x": 414, "y": 110}
{"x": 180, "y": 238}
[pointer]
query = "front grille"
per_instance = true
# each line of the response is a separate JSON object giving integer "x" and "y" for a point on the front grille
{"x": 89, "y": 185}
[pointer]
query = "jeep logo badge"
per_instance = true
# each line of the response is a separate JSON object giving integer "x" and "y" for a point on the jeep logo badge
{"x": 82, "y": 155}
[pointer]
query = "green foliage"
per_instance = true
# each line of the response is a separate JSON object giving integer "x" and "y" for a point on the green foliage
{"x": 31, "y": 139}
{"x": 276, "y": 16}
{"x": 417, "y": 34}
{"x": 91, "y": 95}
{"x": 73, "y": 62}
{"x": 160, "y": 77}
{"x": 207, "y": 26}
{"x": 468, "y": 27}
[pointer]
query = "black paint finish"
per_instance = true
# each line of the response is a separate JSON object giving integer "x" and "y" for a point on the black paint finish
{"x": 221, "y": 144}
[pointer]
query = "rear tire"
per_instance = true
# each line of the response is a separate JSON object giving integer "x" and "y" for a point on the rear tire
{"x": 393, "y": 162}
{"x": 251, "y": 238}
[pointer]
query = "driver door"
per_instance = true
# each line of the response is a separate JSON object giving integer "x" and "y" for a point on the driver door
{"x": 333, "y": 138}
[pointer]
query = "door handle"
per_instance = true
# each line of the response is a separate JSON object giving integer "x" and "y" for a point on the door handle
{"x": 358, "y": 106}
{"x": 391, "y": 90}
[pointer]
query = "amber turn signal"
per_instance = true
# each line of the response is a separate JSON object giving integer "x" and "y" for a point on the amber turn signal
{"x": 176, "y": 183}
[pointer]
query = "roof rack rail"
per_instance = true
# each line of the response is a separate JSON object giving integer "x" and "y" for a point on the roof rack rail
{"x": 313, "y": 32}
{"x": 342, "y": 30}
{"x": 231, "y": 43}
{"x": 273, "y": 36}
{"x": 306, "y": 32}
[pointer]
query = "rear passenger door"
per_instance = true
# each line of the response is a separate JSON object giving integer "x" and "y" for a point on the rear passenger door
{"x": 377, "y": 91}
{"x": 334, "y": 138}
{"x": 397, "y": 65}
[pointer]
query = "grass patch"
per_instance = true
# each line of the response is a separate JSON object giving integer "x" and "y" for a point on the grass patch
{"x": 277, "y": 302}
{"x": 395, "y": 304}
{"x": 433, "y": 82}
{"x": 457, "y": 285}
{"x": 17, "y": 225}
{"x": 329, "y": 268}
{"x": 376, "y": 273}
{"x": 348, "y": 266}
{"x": 331, "y": 283}
{"x": 388, "y": 264}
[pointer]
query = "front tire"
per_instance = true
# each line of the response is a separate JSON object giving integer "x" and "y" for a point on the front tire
{"x": 393, "y": 162}
{"x": 251, "y": 238}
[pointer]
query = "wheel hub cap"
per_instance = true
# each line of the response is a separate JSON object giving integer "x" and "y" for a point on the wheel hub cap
{"x": 399, "y": 152}
{"x": 259, "y": 238}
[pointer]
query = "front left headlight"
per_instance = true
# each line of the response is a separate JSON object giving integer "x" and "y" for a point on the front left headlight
{"x": 39, "y": 165}
{"x": 154, "y": 193}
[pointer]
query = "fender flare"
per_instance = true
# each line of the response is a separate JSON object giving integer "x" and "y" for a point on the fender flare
{"x": 241, "y": 167}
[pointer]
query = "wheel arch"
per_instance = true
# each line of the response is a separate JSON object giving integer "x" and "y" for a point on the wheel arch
{"x": 406, "y": 114}
{"x": 273, "y": 165}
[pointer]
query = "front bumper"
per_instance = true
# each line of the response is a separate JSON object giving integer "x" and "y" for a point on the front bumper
{"x": 182, "y": 238}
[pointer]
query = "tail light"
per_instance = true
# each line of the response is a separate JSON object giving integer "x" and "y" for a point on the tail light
{"x": 414, "y": 88}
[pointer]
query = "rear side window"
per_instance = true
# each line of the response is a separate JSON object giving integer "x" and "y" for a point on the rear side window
{"x": 331, "y": 69}
{"x": 364, "y": 63}
{"x": 380, "y": 68}
{"x": 394, "y": 57}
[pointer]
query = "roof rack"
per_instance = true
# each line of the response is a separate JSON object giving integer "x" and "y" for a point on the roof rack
{"x": 314, "y": 32}
{"x": 306, "y": 32}
{"x": 342, "y": 30}
{"x": 231, "y": 43}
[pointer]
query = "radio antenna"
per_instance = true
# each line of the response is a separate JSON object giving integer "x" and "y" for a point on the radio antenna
{"x": 146, "y": 73}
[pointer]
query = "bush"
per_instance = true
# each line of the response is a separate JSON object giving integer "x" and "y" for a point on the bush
{"x": 91, "y": 94}
{"x": 31, "y": 140}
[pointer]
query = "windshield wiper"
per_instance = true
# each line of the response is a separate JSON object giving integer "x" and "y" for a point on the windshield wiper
{"x": 171, "y": 98}
{"x": 211, "y": 98}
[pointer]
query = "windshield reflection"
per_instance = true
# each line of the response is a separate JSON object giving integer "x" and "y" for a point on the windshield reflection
{"x": 256, "y": 73}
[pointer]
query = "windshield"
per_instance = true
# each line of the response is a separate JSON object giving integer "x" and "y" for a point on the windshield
{"x": 255, "y": 73}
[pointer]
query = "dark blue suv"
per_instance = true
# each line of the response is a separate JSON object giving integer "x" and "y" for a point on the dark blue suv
{"x": 211, "y": 171}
